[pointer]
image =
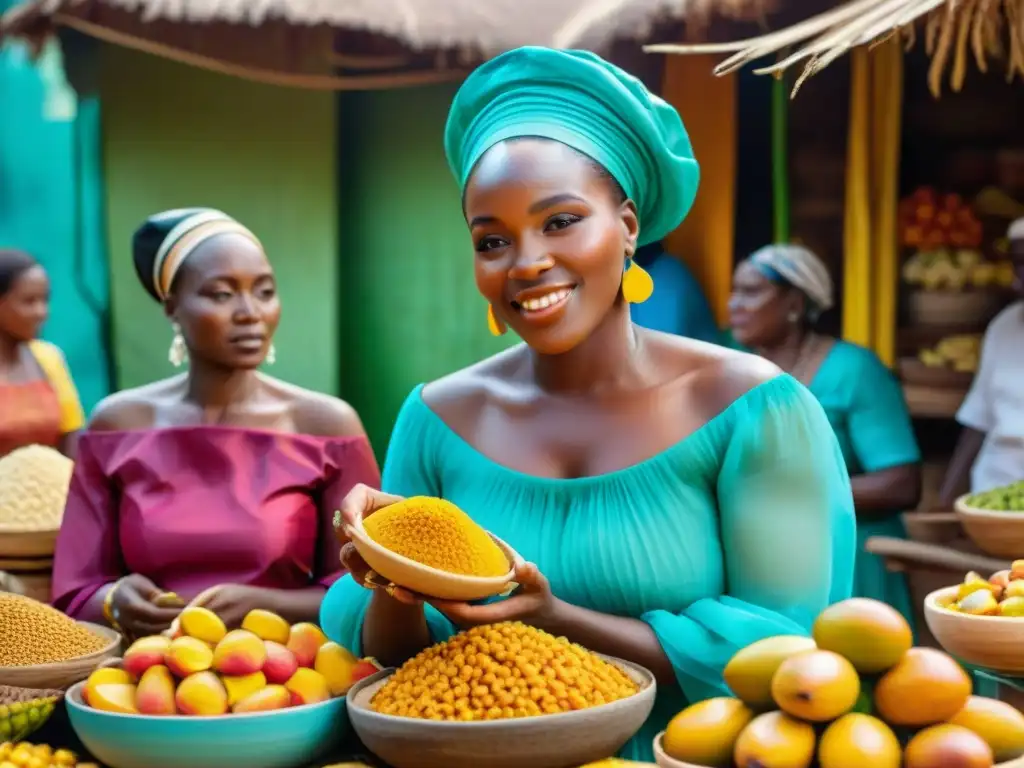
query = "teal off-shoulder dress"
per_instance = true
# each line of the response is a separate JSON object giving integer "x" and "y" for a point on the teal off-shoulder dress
{"x": 743, "y": 530}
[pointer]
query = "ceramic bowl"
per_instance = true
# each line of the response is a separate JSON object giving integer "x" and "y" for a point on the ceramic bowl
{"x": 990, "y": 642}
{"x": 1000, "y": 534}
{"x": 285, "y": 738}
{"x": 64, "y": 673}
{"x": 431, "y": 581}
{"x": 564, "y": 740}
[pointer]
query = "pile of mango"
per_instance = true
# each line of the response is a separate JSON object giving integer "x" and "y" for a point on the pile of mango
{"x": 205, "y": 670}
{"x": 1002, "y": 594}
{"x": 856, "y": 694}
{"x": 949, "y": 270}
{"x": 928, "y": 219}
{"x": 961, "y": 352}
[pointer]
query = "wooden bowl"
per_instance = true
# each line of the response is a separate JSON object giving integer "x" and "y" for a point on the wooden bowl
{"x": 63, "y": 674}
{"x": 545, "y": 741}
{"x": 971, "y": 308}
{"x": 1000, "y": 534}
{"x": 20, "y": 545}
{"x": 990, "y": 642}
{"x": 429, "y": 581}
{"x": 913, "y": 371}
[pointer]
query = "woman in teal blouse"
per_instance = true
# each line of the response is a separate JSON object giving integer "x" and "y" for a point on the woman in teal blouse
{"x": 676, "y": 500}
{"x": 778, "y": 292}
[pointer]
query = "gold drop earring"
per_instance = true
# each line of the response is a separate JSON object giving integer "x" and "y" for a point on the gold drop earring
{"x": 496, "y": 327}
{"x": 637, "y": 285}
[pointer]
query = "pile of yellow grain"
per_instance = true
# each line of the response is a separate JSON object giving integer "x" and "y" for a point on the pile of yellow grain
{"x": 500, "y": 671}
{"x": 34, "y": 633}
{"x": 435, "y": 532}
{"x": 29, "y": 755}
{"x": 34, "y": 484}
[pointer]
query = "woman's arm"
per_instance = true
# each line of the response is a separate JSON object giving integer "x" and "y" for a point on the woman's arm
{"x": 881, "y": 493}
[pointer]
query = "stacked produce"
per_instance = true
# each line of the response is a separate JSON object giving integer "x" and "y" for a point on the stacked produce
{"x": 34, "y": 633}
{"x": 436, "y": 533}
{"x": 23, "y": 710}
{"x": 958, "y": 353}
{"x": 856, "y": 694}
{"x": 207, "y": 670}
{"x": 25, "y": 755}
{"x": 929, "y": 220}
{"x": 33, "y": 488}
{"x": 500, "y": 671}
{"x": 1002, "y": 594}
{"x": 955, "y": 270}
{"x": 1006, "y": 498}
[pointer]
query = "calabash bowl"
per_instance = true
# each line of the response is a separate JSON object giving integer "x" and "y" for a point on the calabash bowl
{"x": 1000, "y": 534}
{"x": 990, "y": 642}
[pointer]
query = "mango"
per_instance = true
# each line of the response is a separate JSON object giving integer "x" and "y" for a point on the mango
{"x": 1012, "y": 607}
{"x": 239, "y": 653}
{"x": 981, "y": 603}
{"x": 307, "y": 686}
{"x": 267, "y": 626}
{"x": 105, "y": 675}
{"x": 264, "y": 700}
{"x": 816, "y": 685}
{"x": 366, "y": 667}
{"x": 1014, "y": 589}
{"x": 280, "y": 664}
{"x": 241, "y": 686}
{"x": 998, "y": 723}
{"x": 202, "y": 624}
{"x": 1000, "y": 580}
{"x": 201, "y": 694}
{"x": 187, "y": 655}
{"x": 337, "y": 665}
{"x": 154, "y": 694}
{"x": 144, "y": 653}
{"x": 947, "y": 746}
{"x": 927, "y": 686}
{"x": 304, "y": 640}
{"x": 749, "y": 672}
{"x": 776, "y": 740}
{"x": 1016, "y": 570}
{"x": 856, "y": 741}
{"x": 871, "y": 635}
{"x": 114, "y": 697}
{"x": 974, "y": 583}
{"x": 705, "y": 733}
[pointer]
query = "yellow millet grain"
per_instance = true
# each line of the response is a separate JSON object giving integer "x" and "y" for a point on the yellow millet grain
{"x": 500, "y": 671}
{"x": 435, "y": 532}
{"x": 25, "y": 755}
{"x": 33, "y": 489}
{"x": 34, "y": 633}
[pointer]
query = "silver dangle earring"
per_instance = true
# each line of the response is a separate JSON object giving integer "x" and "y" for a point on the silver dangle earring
{"x": 178, "y": 353}
{"x": 794, "y": 317}
{"x": 271, "y": 357}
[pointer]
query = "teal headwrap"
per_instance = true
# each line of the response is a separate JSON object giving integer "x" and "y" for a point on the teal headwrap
{"x": 579, "y": 99}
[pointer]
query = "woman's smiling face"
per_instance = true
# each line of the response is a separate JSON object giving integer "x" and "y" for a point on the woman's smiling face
{"x": 551, "y": 234}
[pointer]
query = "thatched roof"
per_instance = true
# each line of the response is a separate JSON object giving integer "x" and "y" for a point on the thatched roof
{"x": 955, "y": 32}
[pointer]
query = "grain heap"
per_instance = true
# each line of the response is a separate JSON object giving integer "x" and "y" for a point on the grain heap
{"x": 38, "y": 756}
{"x": 33, "y": 488}
{"x": 500, "y": 671}
{"x": 34, "y": 633}
{"x": 436, "y": 533}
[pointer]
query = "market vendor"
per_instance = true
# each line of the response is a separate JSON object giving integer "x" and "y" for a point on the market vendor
{"x": 778, "y": 293}
{"x": 677, "y": 500}
{"x": 220, "y": 476}
{"x": 990, "y": 450}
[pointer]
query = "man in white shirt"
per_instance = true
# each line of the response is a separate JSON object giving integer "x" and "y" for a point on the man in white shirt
{"x": 990, "y": 450}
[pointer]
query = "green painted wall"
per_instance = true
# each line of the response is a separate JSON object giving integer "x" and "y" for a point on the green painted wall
{"x": 410, "y": 308}
{"x": 176, "y": 136}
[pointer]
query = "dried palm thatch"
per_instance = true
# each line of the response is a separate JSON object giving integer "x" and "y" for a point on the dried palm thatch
{"x": 954, "y": 31}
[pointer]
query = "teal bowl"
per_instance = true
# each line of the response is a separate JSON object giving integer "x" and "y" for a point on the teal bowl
{"x": 285, "y": 738}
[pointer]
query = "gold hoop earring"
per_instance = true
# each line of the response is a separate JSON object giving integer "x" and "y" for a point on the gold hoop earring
{"x": 178, "y": 353}
{"x": 637, "y": 285}
{"x": 494, "y": 325}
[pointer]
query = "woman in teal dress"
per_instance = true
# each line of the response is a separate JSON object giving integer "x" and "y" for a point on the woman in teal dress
{"x": 778, "y": 293}
{"x": 676, "y": 500}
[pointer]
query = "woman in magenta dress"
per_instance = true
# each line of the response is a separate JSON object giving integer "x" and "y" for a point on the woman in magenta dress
{"x": 221, "y": 480}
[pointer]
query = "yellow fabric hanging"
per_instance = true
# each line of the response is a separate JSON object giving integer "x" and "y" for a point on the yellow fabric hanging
{"x": 857, "y": 282}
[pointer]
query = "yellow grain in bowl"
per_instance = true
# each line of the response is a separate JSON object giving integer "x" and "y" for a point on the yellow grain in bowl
{"x": 436, "y": 533}
{"x": 500, "y": 671}
{"x": 34, "y": 633}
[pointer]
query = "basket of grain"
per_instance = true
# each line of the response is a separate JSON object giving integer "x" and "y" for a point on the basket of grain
{"x": 25, "y": 710}
{"x": 40, "y": 647}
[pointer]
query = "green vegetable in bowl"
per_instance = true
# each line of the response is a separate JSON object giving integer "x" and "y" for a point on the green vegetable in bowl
{"x": 1008, "y": 498}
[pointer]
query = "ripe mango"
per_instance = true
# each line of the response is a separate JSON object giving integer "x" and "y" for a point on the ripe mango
{"x": 105, "y": 675}
{"x": 154, "y": 694}
{"x": 202, "y": 624}
{"x": 239, "y": 653}
{"x": 304, "y": 640}
{"x": 777, "y": 740}
{"x": 144, "y": 653}
{"x": 114, "y": 697}
{"x": 280, "y": 663}
{"x": 264, "y": 700}
{"x": 241, "y": 686}
{"x": 749, "y": 672}
{"x": 1016, "y": 570}
{"x": 705, "y": 733}
{"x": 947, "y": 746}
{"x": 307, "y": 686}
{"x": 998, "y": 723}
{"x": 267, "y": 626}
{"x": 816, "y": 685}
{"x": 871, "y": 635}
{"x": 856, "y": 741}
{"x": 187, "y": 655}
{"x": 337, "y": 665}
{"x": 201, "y": 694}
{"x": 927, "y": 686}
{"x": 1014, "y": 589}
{"x": 1012, "y": 607}
{"x": 980, "y": 603}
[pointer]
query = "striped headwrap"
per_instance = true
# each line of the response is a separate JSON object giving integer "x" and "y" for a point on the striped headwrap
{"x": 797, "y": 266}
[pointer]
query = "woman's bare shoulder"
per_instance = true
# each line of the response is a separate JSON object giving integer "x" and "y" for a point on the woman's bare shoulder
{"x": 133, "y": 408}
{"x": 316, "y": 413}
{"x": 469, "y": 388}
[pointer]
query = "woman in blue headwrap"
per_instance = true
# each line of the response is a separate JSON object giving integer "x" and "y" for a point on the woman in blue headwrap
{"x": 676, "y": 501}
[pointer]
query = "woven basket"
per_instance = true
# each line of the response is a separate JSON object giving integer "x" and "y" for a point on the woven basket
{"x": 24, "y": 710}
